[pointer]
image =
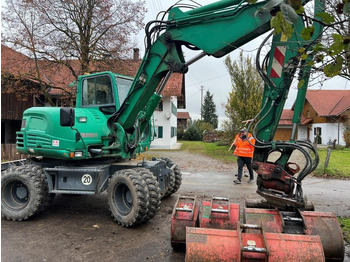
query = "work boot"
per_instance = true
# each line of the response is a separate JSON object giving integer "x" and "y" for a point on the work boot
{"x": 237, "y": 181}
{"x": 250, "y": 181}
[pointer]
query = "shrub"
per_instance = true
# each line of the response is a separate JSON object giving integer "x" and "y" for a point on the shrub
{"x": 180, "y": 134}
{"x": 203, "y": 126}
{"x": 192, "y": 134}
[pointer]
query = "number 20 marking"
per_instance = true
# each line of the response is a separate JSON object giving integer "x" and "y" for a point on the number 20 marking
{"x": 86, "y": 179}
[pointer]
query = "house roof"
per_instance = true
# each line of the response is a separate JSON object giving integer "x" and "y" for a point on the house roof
{"x": 183, "y": 115}
{"x": 19, "y": 64}
{"x": 15, "y": 63}
{"x": 329, "y": 102}
{"x": 287, "y": 117}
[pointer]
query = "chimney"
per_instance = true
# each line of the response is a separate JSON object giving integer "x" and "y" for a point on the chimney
{"x": 136, "y": 54}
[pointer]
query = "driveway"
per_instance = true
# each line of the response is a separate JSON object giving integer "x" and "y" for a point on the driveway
{"x": 80, "y": 228}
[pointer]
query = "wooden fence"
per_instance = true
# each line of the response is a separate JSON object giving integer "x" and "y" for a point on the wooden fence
{"x": 9, "y": 152}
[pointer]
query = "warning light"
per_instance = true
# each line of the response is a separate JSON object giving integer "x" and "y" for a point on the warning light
{"x": 71, "y": 154}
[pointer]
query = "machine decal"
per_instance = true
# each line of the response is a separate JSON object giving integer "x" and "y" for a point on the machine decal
{"x": 277, "y": 63}
{"x": 56, "y": 143}
{"x": 86, "y": 179}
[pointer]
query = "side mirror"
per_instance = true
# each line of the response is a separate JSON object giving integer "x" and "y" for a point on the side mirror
{"x": 67, "y": 116}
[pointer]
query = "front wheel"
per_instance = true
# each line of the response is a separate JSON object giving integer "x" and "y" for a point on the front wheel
{"x": 24, "y": 192}
{"x": 128, "y": 197}
{"x": 153, "y": 190}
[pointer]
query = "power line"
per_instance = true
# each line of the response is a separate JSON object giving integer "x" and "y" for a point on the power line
{"x": 207, "y": 80}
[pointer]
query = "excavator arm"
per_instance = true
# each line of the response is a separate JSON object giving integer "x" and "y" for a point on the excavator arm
{"x": 217, "y": 29}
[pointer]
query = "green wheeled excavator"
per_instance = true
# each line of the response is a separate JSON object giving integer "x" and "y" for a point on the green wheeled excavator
{"x": 83, "y": 150}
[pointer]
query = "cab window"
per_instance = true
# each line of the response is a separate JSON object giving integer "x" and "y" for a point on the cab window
{"x": 123, "y": 86}
{"x": 97, "y": 91}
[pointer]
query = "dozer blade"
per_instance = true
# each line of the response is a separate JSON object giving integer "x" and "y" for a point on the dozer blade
{"x": 206, "y": 244}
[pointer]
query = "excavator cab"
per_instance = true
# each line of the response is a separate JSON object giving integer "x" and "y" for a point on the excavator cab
{"x": 103, "y": 90}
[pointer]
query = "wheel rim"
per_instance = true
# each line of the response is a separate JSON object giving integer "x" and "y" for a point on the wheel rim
{"x": 123, "y": 199}
{"x": 15, "y": 195}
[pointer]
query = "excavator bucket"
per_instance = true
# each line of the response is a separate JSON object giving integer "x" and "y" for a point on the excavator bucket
{"x": 322, "y": 224}
{"x": 211, "y": 231}
{"x": 325, "y": 225}
{"x": 271, "y": 219}
{"x": 206, "y": 244}
{"x": 185, "y": 214}
{"x": 219, "y": 213}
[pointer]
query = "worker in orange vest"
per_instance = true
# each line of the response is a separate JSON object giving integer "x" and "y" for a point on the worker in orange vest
{"x": 244, "y": 143}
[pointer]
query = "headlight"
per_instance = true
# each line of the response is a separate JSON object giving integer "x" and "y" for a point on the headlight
{"x": 23, "y": 125}
{"x": 78, "y": 154}
{"x": 82, "y": 119}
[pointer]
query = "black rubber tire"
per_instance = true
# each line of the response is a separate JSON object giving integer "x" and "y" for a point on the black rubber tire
{"x": 178, "y": 180}
{"x": 171, "y": 183}
{"x": 128, "y": 197}
{"x": 24, "y": 192}
{"x": 153, "y": 190}
{"x": 175, "y": 178}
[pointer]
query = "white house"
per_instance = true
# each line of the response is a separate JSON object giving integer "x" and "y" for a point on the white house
{"x": 165, "y": 117}
{"x": 323, "y": 119}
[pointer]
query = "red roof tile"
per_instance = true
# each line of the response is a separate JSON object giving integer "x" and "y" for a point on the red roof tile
{"x": 60, "y": 76}
{"x": 183, "y": 115}
{"x": 329, "y": 102}
{"x": 287, "y": 117}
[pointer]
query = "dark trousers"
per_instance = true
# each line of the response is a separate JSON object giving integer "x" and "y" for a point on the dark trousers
{"x": 248, "y": 162}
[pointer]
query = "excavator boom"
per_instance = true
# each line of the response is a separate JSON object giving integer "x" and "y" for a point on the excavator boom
{"x": 216, "y": 30}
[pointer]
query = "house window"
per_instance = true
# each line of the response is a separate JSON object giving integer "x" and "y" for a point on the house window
{"x": 317, "y": 131}
{"x": 173, "y": 109}
{"x": 308, "y": 114}
{"x": 160, "y": 132}
{"x": 173, "y": 131}
{"x": 160, "y": 106}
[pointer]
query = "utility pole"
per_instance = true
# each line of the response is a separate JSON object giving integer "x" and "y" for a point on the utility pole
{"x": 202, "y": 88}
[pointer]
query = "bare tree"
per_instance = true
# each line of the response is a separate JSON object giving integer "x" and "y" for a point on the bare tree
{"x": 62, "y": 33}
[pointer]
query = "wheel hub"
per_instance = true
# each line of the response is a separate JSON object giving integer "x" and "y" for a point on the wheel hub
{"x": 21, "y": 192}
{"x": 15, "y": 195}
{"x": 123, "y": 199}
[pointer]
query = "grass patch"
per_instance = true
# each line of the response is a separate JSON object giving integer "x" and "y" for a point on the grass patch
{"x": 209, "y": 149}
{"x": 345, "y": 226}
{"x": 338, "y": 167}
{"x": 339, "y": 164}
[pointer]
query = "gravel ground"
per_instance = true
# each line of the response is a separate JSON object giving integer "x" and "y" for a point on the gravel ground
{"x": 80, "y": 228}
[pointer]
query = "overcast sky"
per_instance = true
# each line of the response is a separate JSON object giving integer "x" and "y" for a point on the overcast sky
{"x": 211, "y": 72}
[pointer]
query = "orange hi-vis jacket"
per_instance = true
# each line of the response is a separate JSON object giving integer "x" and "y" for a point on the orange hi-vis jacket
{"x": 243, "y": 147}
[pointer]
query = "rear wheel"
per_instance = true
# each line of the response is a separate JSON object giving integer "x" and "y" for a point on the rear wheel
{"x": 24, "y": 192}
{"x": 178, "y": 179}
{"x": 128, "y": 197}
{"x": 175, "y": 177}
